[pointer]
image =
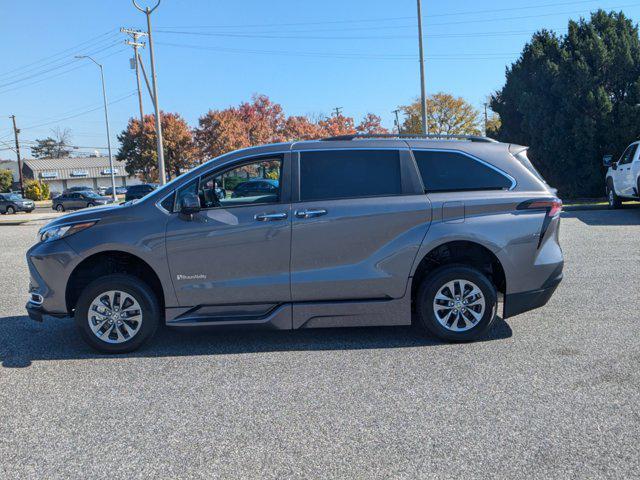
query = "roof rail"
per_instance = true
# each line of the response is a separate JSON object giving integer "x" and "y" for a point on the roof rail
{"x": 403, "y": 136}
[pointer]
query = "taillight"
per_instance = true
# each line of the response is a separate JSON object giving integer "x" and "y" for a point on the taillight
{"x": 553, "y": 207}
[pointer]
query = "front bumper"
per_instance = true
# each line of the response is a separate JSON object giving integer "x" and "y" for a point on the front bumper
{"x": 517, "y": 303}
{"x": 50, "y": 264}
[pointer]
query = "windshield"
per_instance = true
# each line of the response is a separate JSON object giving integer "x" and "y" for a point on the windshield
{"x": 14, "y": 197}
{"x": 90, "y": 194}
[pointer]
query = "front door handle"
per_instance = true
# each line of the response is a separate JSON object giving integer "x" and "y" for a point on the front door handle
{"x": 318, "y": 212}
{"x": 270, "y": 217}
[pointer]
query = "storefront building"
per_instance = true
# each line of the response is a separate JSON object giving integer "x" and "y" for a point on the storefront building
{"x": 63, "y": 173}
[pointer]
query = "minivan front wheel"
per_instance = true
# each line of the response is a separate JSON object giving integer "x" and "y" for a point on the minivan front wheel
{"x": 117, "y": 313}
{"x": 456, "y": 303}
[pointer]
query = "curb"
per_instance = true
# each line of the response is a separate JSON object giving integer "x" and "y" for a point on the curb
{"x": 581, "y": 208}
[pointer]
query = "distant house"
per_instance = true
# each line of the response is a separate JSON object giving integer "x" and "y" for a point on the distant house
{"x": 64, "y": 173}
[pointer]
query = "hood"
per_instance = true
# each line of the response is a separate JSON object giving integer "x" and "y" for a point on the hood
{"x": 94, "y": 213}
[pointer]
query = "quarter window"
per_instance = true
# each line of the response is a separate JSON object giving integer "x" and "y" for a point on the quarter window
{"x": 452, "y": 171}
{"x": 349, "y": 173}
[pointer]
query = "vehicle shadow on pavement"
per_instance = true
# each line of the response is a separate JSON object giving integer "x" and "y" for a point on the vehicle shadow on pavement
{"x": 23, "y": 341}
{"x": 628, "y": 215}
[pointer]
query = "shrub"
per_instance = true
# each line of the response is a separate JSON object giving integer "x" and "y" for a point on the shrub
{"x": 6, "y": 180}
{"x": 35, "y": 190}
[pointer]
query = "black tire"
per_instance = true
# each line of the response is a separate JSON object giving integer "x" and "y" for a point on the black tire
{"x": 11, "y": 210}
{"x": 426, "y": 318}
{"x": 59, "y": 208}
{"x": 612, "y": 198}
{"x": 91, "y": 204}
{"x": 132, "y": 286}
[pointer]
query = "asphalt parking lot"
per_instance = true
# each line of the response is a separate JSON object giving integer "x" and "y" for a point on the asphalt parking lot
{"x": 553, "y": 393}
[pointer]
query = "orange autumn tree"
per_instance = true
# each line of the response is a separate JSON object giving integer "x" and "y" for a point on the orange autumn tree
{"x": 138, "y": 147}
{"x": 301, "y": 128}
{"x": 337, "y": 125}
{"x": 251, "y": 123}
{"x": 371, "y": 124}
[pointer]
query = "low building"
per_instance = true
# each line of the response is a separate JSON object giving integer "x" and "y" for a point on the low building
{"x": 63, "y": 173}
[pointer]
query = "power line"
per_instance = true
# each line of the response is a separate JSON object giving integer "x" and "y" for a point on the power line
{"x": 59, "y": 73}
{"x": 57, "y": 67}
{"x": 343, "y": 55}
{"x": 383, "y": 19}
{"x": 53, "y": 60}
{"x": 58, "y": 120}
{"x": 286, "y": 35}
{"x": 62, "y": 52}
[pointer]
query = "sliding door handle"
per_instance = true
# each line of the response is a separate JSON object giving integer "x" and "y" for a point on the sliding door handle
{"x": 316, "y": 212}
{"x": 270, "y": 217}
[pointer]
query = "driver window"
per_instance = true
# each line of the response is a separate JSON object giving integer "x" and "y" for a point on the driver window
{"x": 251, "y": 183}
{"x": 629, "y": 153}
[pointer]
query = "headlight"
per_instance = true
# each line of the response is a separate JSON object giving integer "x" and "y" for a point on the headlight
{"x": 49, "y": 234}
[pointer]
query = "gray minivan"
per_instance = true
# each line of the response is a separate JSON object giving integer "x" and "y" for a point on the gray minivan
{"x": 357, "y": 231}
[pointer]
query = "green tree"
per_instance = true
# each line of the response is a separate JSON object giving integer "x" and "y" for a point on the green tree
{"x": 53, "y": 147}
{"x": 574, "y": 98}
{"x": 6, "y": 180}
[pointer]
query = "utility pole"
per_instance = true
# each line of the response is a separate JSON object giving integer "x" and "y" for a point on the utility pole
{"x": 486, "y": 118}
{"x": 423, "y": 90}
{"x": 396, "y": 112}
{"x": 106, "y": 121}
{"x": 135, "y": 34}
{"x": 161, "y": 168}
{"x": 16, "y": 131}
{"x": 338, "y": 111}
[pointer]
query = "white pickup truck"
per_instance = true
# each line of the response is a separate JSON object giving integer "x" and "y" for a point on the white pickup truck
{"x": 623, "y": 176}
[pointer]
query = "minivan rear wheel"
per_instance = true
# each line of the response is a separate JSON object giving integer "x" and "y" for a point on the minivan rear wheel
{"x": 456, "y": 303}
{"x": 117, "y": 313}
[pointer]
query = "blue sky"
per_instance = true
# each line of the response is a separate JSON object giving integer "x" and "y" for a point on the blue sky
{"x": 310, "y": 57}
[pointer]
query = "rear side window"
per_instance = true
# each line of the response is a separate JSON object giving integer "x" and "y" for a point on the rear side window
{"x": 349, "y": 173}
{"x": 455, "y": 172}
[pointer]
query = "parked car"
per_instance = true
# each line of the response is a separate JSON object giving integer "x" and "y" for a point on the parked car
{"x": 78, "y": 189}
{"x": 256, "y": 187}
{"x": 75, "y": 200}
{"x": 623, "y": 176}
{"x": 359, "y": 231}
{"x": 135, "y": 192}
{"x": 12, "y": 203}
{"x": 119, "y": 191}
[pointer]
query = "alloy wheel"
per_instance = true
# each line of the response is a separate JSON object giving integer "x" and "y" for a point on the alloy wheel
{"x": 114, "y": 316}
{"x": 459, "y": 305}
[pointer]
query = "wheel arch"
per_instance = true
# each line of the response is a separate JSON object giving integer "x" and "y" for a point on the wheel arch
{"x": 109, "y": 262}
{"x": 461, "y": 252}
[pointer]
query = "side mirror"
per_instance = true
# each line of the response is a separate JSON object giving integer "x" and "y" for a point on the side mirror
{"x": 607, "y": 160}
{"x": 189, "y": 204}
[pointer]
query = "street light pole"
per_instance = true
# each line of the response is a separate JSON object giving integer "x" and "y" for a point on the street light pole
{"x": 161, "y": 168}
{"x": 423, "y": 90}
{"x": 106, "y": 120}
